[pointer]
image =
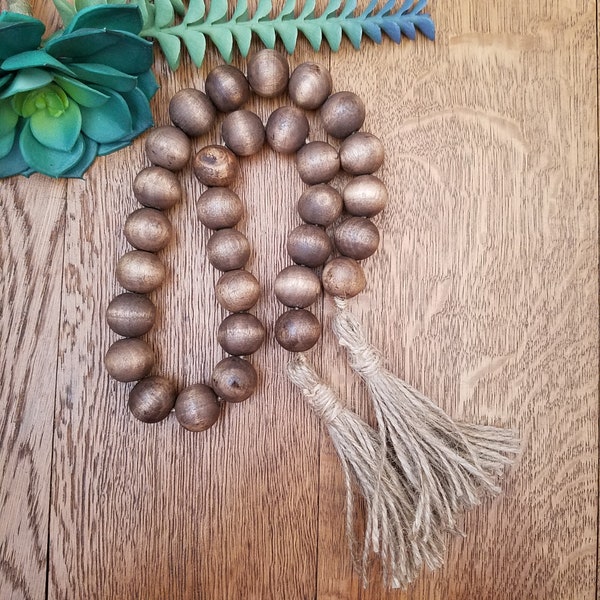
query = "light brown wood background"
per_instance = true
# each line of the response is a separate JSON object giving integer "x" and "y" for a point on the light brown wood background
{"x": 484, "y": 295}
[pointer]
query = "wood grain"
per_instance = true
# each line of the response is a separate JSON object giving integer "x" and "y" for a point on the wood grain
{"x": 484, "y": 295}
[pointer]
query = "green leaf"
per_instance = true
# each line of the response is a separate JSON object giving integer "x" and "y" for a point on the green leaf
{"x": 195, "y": 12}
{"x": 243, "y": 38}
{"x": 179, "y": 7}
{"x": 108, "y": 123}
{"x": 8, "y": 117}
{"x": 58, "y": 133}
{"x": 164, "y": 15}
{"x": 87, "y": 158}
{"x": 195, "y": 42}
{"x": 241, "y": 12}
{"x": 104, "y": 149}
{"x": 223, "y": 40}
{"x": 308, "y": 10}
{"x": 333, "y": 35}
{"x": 13, "y": 163}
{"x": 216, "y": 11}
{"x": 312, "y": 32}
{"x": 31, "y": 59}
{"x": 266, "y": 32}
{"x": 354, "y": 32}
{"x": 287, "y": 12}
{"x": 263, "y": 10}
{"x": 103, "y": 75}
{"x": 80, "y": 92}
{"x": 141, "y": 116}
{"x": 171, "y": 48}
{"x": 26, "y": 80}
{"x": 65, "y": 9}
{"x": 19, "y": 33}
{"x": 6, "y": 142}
{"x": 125, "y": 17}
{"x": 288, "y": 34}
{"x": 147, "y": 83}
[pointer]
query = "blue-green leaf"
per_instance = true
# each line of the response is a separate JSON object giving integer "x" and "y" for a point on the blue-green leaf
{"x": 59, "y": 133}
{"x": 141, "y": 116}
{"x": 179, "y": 7}
{"x": 171, "y": 47}
{"x": 147, "y": 83}
{"x": 195, "y": 42}
{"x": 195, "y": 12}
{"x": 333, "y": 35}
{"x": 80, "y": 92}
{"x": 164, "y": 15}
{"x": 108, "y": 123}
{"x": 125, "y": 17}
{"x": 87, "y": 158}
{"x": 6, "y": 142}
{"x": 216, "y": 11}
{"x": 19, "y": 33}
{"x": 243, "y": 38}
{"x": 241, "y": 12}
{"x": 266, "y": 32}
{"x": 13, "y": 163}
{"x": 263, "y": 10}
{"x": 32, "y": 59}
{"x": 288, "y": 34}
{"x": 26, "y": 80}
{"x": 312, "y": 32}
{"x": 104, "y": 75}
{"x": 66, "y": 10}
{"x": 354, "y": 32}
{"x": 104, "y": 149}
{"x": 223, "y": 40}
{"x": 8, "y": 117}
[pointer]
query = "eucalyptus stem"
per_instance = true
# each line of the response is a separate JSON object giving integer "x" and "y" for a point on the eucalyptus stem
{"x": 19, "y": 6}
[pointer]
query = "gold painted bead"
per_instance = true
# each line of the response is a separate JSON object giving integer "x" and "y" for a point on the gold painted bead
{"x": 192, "y": 111}
{"x": 148, "y": 229}
{"x": 297, "y": 287}
{"x": 131, "y": 315}
{"x": 168, "y": 147}
{"x": 343, "y": 277}
{"x": 152, "y": 399}
{"x": 309, "y": 245}
{"x": 234, "y": 379}
{"x": 357, "y": 237}
{"x": 237, "y": 291}
{"x": 219, "y": 208}
{"x": 228, "y": 249}
{"x": 365, "y": 196}
{"x": 215, "y": 166}
{"x": 361, "y": 154}
{"x": 197, "y": 407}
{"x": 227, "y": 87}
{"x": 317, "y": 162}
{"x": 320, "y": 205}
{"x": 342, "y": 114}
{"x": 140, "y": 271}
{"x": 241, "y": 334}
{"x": 310, "y": 84}
{"x": 243, "y": 132}
{"x": 157, "y": 187}
{"x": 287, "y": 129}
{"x": 129, "y": 359}
{"x": 268, "y": 73}
{"x": 297, "y": 330}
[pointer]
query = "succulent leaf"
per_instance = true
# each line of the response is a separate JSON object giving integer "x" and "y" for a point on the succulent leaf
{"x": 109, "y": 122}
{"x": 125, "y": 17}
{"x": 19, "y": 33}
{"x": 59, "y": 132}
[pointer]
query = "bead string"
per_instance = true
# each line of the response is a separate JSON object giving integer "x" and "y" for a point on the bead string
{"x": 158, "y": 188}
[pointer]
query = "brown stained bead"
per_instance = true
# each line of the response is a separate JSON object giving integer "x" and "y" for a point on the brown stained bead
{"x": 228, "y": 249}
{"x": 297, "y": 330}
{"x": 309, "y": 245}
{"x": 241, "y": 334}
{"x": 317, "y": 162}
{"x": 234, "y": 379}
{"x": 297, "y": 287}
{"x": 197, "y": 407}
{"x": 152, "y": 399}
{"x": 343, "y": 277}
{"x": 131, "y": 315}
{"x": 129, "y": 359}
{"x": 342, "y": 114}
{"x": 237, "y": 291}
{"x": 357, "y": 237}
{"x": 227, "y": 87}
{"x": 168, "y": 147}
{"x": 287, "y": 129}
{"x": 148, "y": 229}
{"x": 310, "y": 85}
{"x": 219, "y": 208}
{"x": 215, "y": 166}
{"x": 361, "y": 154}
{"x": 243, "y": 132}
{"x": 192, "y": 111}
{"x": 268, "y": 73}
{"x": 157, "y": 187}
{"x": 140, "y": 271}
{"x": 365, "y": 196}
{"x": 320, "y": 204}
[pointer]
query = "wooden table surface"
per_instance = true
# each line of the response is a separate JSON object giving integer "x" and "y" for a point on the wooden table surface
{"x": 484, "y": 295}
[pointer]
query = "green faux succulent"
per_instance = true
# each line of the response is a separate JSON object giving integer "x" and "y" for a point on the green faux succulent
{"x": 83, "y": 92}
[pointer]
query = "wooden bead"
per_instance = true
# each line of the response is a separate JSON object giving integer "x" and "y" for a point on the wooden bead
{"x": 227, "y": 87}
{"x": 129, "y": 359}
{"x": 357, "y": 237}
{"x": 297, "y": 287}
{"x": 342, "y": 114}
{"x": 317, "y": 162}
{"x": 131, "y": 315}
{"x": 168, "y": 147}
{"x": 309, "y": 245}
{"x": 237, "y": 290}
{"x": 219, "y": 208}
{"x": 297, "y": 330}
{"x": 361, "y": 154}
{"x": 343, "y": 277}
{"x": 215, "y": 166}
{"x": 287, "y": 129}
{"x": 197, "y": 408}
{"x": 243, "y": 132}
{"x": 228, "y": 249}
{"x": 148, "y": 229}
{"x": 192, "y": 111}
{"x": 234, "y": 379}
{"x": 365, "y": 196}
{"x": 268, "y": 73}
{"x": 310, "y": 84}
{"x": 157, "y": 188}
{"x": 139, "y": 271}
{"x": 320, "y": 204}
{"x": 241, "y": 334}
{"x": 152, "y": 399}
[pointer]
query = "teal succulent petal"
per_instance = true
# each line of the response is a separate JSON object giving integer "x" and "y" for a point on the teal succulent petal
{"x": 6, "y": 142}
{"x": 104, "y": 149}
{"x": 147, "y": 83}
{"x": 105, "y": 76}
{"x": 108, "y": 123}
{"x": 8, "y": 117}
{"x": 87, "y": 158}
{"x": 80, "y": 92}
{"x": 48, "y": 160}
{"x": 13, "y": 163}
{"x": 139, "y": 108}
{"x": 120, "y": 18}
{"x": 26, "y": 80}
{"x": 34, "y": 58}
{"x": 19, "y": 33}
{"x": 59, "y": 133}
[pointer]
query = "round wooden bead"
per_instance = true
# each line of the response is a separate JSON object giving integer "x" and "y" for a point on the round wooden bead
{"x": 227, "y": 87}
{"x": 357, "y": 237}
{"x": 131, "y": 315}
{"x": 157, "y": 187}
{"x": 342, "y": 114}
{"x": 297, "y": 287}
{"x": 268, "y": 73}
{"x": 148, "y": 229}
{"x": 197, "y": 407}
{"x": 310, "y": 84}
{"x": 237, "y": 290}
{"x": 365, "y": 196}
{"x": 297, "y": 330}
{"x": 343, "y": 277}
{"x": 317, "y": 162}
{"x": 168, "y": 147}
{"x": 129, "y": 359}
{"x": 152, "y": 399}
{"x": 309, "y": 245}
{"x": 228, "y": 249}
{"x": 287, "y": 129}
{"x": 192, "y": 111}
{"x": 241, "y": 334}
{"x": 140, "y": 271}
{"x": 219, "y": 208}
{"x": 234, "y": 379}
{"x": 320, "y": 204}
{"x": 215, "y": 166}
{"x": 362, "y": 153}
{"x": 243, "y": 132}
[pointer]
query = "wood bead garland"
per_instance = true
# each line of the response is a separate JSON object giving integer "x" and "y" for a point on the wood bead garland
{"x": 215, "y": 166}
{"x": 243, "y": 132}
{"x": 152, "y": 399}
{"x": 268, "y": 73}
{"x": 227, "y": 87}
{"x": 131, "y": 315}
{"x": 309, "y": 86}
{"x": 168, "y": 147}
{"x": 192, "y": 111}
{"x": 148, "y": 229}
{"x": 157, "y": 187}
